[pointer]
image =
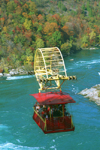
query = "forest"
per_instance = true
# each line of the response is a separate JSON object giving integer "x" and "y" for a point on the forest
{"x": 26, "y": 25}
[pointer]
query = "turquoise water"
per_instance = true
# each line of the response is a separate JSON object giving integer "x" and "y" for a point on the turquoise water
{"x": 19, "y": 132}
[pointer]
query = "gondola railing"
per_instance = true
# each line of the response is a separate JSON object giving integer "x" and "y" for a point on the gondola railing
{"x": 39, "y": 120}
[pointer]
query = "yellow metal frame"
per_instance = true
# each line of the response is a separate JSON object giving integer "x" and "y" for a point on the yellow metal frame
{"x": 72, "y": 125}
{"x": 50, "y": 69}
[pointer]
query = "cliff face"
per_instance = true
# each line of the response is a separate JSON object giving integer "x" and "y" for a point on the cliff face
{"x": 93, "y": 93}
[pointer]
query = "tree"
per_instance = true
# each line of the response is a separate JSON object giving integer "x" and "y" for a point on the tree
{"x": 62, "y": 6}
{"x": 19, "y": 39}
{"x": 65, "y": 48}
{"x": 92, "y": 36}
{"x": 32, "y": 7}
{"x": 39, "y": 43}
{"x": 57, "y": 38}
{"x": 2, "y": 21}
{"x": 25, "y": 8}
{"x": 29, "y": 59}
{"x": 25, "y": 14}
{"x": 85, "y": 40}
{"x": 11, "y": 6}
{"x": 50, "y": 28}
{"x": 49, "y": 18}
{"x": 41, "y": 18}
{"x": 39, "y": 30}
{"x": 18, "y": 10}
{"x": 5, "y": 29}
{"x": 13, "y": 58}
{"x": 56, "y": 18}
{"x": 90, "y": 12}
{"x": 65, "y": 29}
{"x": 28, "y": 24}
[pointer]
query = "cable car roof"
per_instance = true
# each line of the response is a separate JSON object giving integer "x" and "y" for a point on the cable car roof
{"x": 53, "y": 98}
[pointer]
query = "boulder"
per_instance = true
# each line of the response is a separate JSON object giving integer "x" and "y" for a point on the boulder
{"x": 1, "y": 74}
{"x": 92, "y": 93}
{"x": 6, "y": 75}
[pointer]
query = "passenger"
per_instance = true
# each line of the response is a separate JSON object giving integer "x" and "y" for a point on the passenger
{"x": 56, "y": 112}
{"x": 37, "y": 108}
{"x": 51, "y": 111}
{"x": 60, "y": 107}
{"x": 65, "y": 113}
{"x": 44, "y": 106}
{"x": 44, "y": 112}
{"x": 48, "y": 111}
{"x": 46, "y": 116}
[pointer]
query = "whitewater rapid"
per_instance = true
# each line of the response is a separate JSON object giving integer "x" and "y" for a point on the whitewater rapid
{"x": 19, "y": 77}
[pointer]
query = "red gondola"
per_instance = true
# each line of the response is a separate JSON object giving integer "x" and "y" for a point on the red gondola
{"x": 51, "y": 116}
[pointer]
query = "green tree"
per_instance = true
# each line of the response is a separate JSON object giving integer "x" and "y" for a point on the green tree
{"x": 32, "y": 7}
{"x": 39, "y": 43}
{"x": 27, "y": 57}
{"x": 66, "y": 47}
{"x": 62, "y": 6}
{"x": 57, "y": 37}
{"x": 85, "y": 40}
{"x": 28, "y": 24}
{"x": 11, "y": 6}
{"x": 90, "y": 12}
{"x": 39, "y": 29}
{"x": 92, "y": 35}
{"x": 28, "y": 52}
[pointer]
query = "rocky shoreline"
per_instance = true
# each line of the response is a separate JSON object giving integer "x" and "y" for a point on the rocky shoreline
{"x": 91, "y": 48}
{"x": 93, "y": 93}
{"x": 15, "y": 72}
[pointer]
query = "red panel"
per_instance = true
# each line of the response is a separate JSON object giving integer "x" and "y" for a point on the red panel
{"x": 52, "y": 98}
{"x": 59, "y": 123}
{"x": 39, "y": 122}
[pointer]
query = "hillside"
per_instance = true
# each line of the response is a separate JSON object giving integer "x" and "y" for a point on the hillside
{"x": 29, "y": 24}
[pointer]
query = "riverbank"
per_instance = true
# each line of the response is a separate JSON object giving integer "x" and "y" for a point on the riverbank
{"x": 28, "y": 70}
{"x": 17, "y": 71}
{"x": 91, "y": 48}
{"x": 93, "y": 93}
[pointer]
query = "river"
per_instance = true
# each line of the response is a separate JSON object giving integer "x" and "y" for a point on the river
{"x": 18, "y": 131}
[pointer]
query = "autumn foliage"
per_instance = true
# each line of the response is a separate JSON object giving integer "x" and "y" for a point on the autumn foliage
{"x": 28, "y": 24}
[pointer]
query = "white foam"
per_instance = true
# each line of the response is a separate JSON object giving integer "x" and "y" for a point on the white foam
{"x": 2, "y": 127}
{"x": 99, "y": 73}
{"x": 19, "y": 77}
{"x": 54, "y": 147}
{"x": 84, "y": 63}
{"x": 81, "y": 63}
{"x": 12, "y": 146}
{"x": 80, "y": 144}
{"x": 75, "y": 89}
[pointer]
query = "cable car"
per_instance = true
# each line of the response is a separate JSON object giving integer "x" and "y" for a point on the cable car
{"x": 50, "y": 111}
